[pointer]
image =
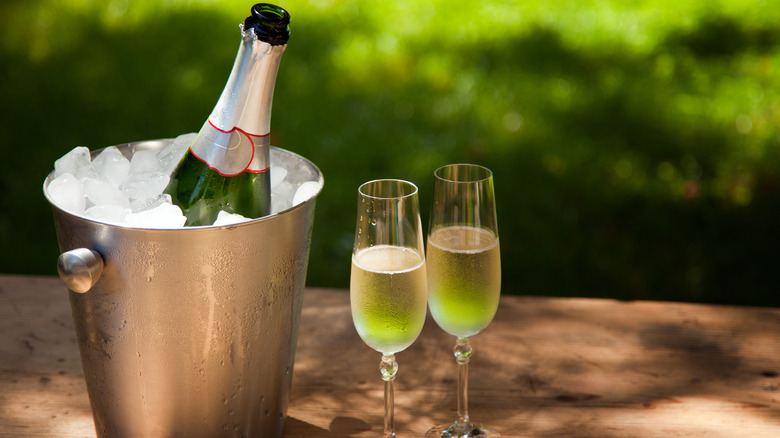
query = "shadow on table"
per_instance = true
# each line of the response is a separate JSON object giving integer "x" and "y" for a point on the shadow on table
{"x": 339, "y": 427}
{"x": 604, "y": 366}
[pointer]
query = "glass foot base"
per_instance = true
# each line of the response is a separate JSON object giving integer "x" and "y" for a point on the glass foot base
{"x": 454, "y": 431}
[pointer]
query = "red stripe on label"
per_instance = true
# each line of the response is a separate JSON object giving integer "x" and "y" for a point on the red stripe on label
{"x": 258, "y": 171}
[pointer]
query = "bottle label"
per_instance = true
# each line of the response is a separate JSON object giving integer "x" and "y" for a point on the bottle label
{"x": 229, "y": 152}
{"x": 261, "y": 160}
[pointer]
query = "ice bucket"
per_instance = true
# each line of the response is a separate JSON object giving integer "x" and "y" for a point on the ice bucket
{"x": 188, "y": 332}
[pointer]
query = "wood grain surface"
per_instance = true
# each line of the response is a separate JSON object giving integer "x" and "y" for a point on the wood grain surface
{"x": 546, "y": 367}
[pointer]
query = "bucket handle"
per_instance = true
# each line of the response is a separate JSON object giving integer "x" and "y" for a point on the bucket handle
{"x": 80, "y": 269}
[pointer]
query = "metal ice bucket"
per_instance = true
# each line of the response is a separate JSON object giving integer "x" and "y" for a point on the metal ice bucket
{"x": 188, "y": 332}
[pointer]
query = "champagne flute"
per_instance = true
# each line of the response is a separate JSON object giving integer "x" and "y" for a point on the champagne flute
{"x": 464, "y": 271}
{"x": 388, "y": 284}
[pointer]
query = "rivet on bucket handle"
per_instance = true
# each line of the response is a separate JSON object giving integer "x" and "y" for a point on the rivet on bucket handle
{"x": 80, "y": 269}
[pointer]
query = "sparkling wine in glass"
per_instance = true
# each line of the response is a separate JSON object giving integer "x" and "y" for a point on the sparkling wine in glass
{"x": 388, "y": 281}
{"x": 464, "y": 272}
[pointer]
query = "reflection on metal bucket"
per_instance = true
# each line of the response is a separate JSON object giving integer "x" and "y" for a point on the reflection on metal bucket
{"x": 190, "y": 332}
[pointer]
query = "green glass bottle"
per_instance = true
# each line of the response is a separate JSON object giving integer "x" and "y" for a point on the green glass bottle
{"x": 227, "y": 166}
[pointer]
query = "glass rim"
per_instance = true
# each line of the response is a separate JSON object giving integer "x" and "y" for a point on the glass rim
{"x": 401, "y": 182}
{"x": 487, "y": 176}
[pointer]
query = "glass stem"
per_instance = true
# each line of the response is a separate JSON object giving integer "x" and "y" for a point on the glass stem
{"x": 389, "y": 367}
{"x": 462, "y": 353}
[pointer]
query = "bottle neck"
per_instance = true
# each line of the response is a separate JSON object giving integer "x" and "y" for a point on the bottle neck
{"x": 246, "y": 100}
{"x": 235, "y": 138}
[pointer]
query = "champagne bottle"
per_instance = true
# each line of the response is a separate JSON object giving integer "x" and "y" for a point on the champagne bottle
{"x": 227, "y": 165}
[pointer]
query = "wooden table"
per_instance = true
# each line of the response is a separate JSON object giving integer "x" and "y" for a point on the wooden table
{"x": 545, "y": 367}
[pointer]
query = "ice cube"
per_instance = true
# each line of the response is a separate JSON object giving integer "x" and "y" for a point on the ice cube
{"x": 306, "y": 191}
{"x": 225, "y": 218}
{"x": 145, "y": 185}
{"x": 67, "y": 192}
{"x": 277, "y": 175}
{"x": 143, "y": 162}
{"x": 108, "y": 213}
{"x": 170, "y": 155}
{"x": 281, "y": 196}
{"x": 100, "y": 192}
{"x": 182, "y": 142}
{"x": 76, "y": 162}
{"x": 162, "y": 216}
{"x": 111, "y": 166}
{"x": 150, "y": 203}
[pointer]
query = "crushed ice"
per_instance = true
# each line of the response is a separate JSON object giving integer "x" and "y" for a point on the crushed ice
{"x": 114, "y": 189}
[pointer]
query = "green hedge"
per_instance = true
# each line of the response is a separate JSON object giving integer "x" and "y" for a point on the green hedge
{"x": 634, "y": 144}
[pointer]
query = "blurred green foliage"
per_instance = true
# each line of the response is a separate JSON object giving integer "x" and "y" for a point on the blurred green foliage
{"x": 635, "y": 145}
